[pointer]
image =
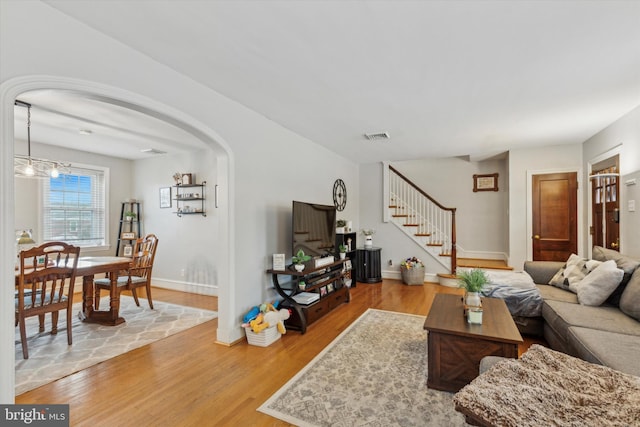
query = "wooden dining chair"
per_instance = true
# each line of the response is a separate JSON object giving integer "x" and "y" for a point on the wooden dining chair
{"x": 138, "y": 275}
{"x": 45, "y": 285}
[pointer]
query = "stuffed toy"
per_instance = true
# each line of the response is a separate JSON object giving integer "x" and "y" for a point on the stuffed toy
{"x": 277, "y": 318}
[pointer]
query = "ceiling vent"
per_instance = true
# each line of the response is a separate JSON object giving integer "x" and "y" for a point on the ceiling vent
{"x": 152, "y": 151}
{"x": 377, "y": 136}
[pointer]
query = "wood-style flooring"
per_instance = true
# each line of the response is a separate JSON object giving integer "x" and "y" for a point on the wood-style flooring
{"x": 189, "y": 380}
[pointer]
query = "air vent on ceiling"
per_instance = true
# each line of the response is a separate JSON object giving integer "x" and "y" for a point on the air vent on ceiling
{"x": 152, "y": 151}
{"x": 376, "y": 136}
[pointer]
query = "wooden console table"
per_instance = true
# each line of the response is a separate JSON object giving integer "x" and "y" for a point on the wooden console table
{"x": 455, "y": 347}
{"x": 327, "y": 281}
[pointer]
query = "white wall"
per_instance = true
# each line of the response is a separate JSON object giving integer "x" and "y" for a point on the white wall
{"x": 193, "y": 267}
{"x": 622, "y": 136}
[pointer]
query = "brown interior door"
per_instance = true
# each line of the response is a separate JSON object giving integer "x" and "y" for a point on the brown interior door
{"x": 555, "y": 216}
{"x": 605, "y": 203}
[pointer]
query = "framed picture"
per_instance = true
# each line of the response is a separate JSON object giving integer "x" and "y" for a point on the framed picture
{"x": 128, "y": 236}
{"x": 278, "y": 262}
{"x": 165, "y": 197}
{"x": 323, "y": 291}
{"x": 187, "y": 179}
{"x": 330, "y": 287}
{"x": 488, "y": 182}
{"x": 128, "y": 250}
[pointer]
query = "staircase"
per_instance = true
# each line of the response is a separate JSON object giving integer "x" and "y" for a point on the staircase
{"x": 423, "y": 219}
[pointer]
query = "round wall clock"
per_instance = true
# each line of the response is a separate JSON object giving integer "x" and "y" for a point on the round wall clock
{"x": 339, "y": 194}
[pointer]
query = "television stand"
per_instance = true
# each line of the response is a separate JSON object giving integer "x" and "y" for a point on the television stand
{"x": 327, "y": 281}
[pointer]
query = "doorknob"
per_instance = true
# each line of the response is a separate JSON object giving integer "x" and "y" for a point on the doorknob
{"x": 537, "y": 237}
{"x": 614, "y": 245}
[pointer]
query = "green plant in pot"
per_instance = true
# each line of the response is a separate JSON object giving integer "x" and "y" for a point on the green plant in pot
{"x": 130, "y": 215}
{"x": 343, "y": 251}
{"x": 473, "y": 281}
{"x": 299, "y": 259}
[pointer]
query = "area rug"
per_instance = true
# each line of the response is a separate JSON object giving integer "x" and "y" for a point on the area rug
{"x": 50, "y": 358}
{"x": 372, "y": 374}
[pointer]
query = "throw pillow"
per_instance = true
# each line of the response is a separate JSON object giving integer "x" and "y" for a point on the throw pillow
{"x": 589, "y": 266}
{"x": 627, "y": 264}
{"x": 597, "y": 286}
{"x": 630, "y": 299}
{"x": 573, "y": 271}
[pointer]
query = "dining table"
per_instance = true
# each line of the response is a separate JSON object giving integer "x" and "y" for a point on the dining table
{"x": 87, "y": 268}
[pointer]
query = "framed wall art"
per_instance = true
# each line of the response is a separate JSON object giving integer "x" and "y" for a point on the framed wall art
{"x": 165, "y": 197}
{"x": 487, "y": 182}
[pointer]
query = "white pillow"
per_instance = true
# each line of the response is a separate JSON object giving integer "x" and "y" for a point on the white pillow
{"x": 573, "y": 271}
{"x": 596, "y": 287}
{"x": 589, "y": 266}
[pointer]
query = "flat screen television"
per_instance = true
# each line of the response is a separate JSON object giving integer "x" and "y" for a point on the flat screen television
{"x": 314, "y": 228}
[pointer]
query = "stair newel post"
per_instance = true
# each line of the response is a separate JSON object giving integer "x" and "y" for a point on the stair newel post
{"x": 454, "y": 258}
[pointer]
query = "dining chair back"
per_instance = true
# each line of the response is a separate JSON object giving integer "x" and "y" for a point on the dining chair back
{"x": 45, "y": 285}
{"x": 139, "y": 273}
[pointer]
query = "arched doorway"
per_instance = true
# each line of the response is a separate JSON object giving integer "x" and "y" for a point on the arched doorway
{"x": 9, "y": 91}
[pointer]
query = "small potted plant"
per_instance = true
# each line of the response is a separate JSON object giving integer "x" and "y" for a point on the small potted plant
{"x": 130, "y": 216}
{"x": 343, "y": 251}
{"x": 299, "y": 259}
{"x": 340, "y": 224}
{"x": 473, "y": 281}
{"x": 368, "y": 236}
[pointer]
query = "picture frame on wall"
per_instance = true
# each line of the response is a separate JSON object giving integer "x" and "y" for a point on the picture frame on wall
{"x": 128, "y": 250}
{"x": 165, "y": 197}
{"x": 486, "y": 182}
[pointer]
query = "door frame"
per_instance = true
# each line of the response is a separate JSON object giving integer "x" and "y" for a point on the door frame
{"x": 617, "y": 150}
{"x": 579, "y": 203}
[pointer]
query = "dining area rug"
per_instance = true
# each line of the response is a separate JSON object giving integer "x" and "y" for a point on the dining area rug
{"x": 373, "y": 374}
{"x": 51, "y": 358}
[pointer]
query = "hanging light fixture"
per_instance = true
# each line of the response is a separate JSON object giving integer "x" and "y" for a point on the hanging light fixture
{"x": 31, "y": 167}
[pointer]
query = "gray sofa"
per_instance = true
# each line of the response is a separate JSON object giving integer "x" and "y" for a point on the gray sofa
{"x": 608, "y": 334}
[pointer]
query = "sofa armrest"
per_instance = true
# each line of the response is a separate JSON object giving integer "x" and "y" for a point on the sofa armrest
{"x": 542, "y": 271}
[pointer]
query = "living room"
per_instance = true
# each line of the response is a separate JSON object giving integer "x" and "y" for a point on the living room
{"x": 253, "y": 217}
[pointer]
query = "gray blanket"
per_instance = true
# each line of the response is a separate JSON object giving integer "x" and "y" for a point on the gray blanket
{"x": 517, "y": 290}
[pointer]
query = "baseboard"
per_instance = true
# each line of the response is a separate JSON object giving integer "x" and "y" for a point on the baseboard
{"x": 190, "y": 287}
{"x": 395, "y": 274}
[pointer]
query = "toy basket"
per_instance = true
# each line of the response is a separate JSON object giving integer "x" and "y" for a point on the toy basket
{"x": 264, "y": 338}
{"x": 412, "y": 276}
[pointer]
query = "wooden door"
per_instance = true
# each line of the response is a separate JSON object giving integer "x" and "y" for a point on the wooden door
{"x": 605, "y": 190}
{"x": 555, "y": 216}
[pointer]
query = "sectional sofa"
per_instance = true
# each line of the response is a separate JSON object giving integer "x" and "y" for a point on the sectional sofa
{"x": 607, "y": 334}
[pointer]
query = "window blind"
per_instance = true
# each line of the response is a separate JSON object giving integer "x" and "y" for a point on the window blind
{"x": 74, "y": 207}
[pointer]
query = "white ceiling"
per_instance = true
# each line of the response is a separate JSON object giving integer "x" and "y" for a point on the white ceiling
{"x": 444, "y": 78}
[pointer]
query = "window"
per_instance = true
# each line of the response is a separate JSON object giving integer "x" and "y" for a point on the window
{"x": 74, "y": 207}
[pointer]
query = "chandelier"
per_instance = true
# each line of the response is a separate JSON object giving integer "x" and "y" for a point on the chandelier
{"x": 31, "y": 167}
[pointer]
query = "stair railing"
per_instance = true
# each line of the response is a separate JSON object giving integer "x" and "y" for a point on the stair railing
{"x": 430, "y": 218}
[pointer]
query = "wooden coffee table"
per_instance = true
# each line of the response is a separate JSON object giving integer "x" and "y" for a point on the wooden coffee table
{"x": 455, "y": 347}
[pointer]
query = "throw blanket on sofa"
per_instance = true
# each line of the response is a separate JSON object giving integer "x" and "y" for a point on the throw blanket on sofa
{"x": 517, "y": 290}
{"x": 545, "y": 388}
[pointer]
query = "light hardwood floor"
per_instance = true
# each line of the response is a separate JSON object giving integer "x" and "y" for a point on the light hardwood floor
{"x": 189, "y": 380}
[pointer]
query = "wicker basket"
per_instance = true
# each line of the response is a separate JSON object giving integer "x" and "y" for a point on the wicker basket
{"x": 264, "y": 338}
{"x": 412, "y": 276}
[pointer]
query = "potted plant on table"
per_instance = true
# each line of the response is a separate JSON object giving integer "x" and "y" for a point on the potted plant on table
{"x": 130, "y": 215}
{"x": 368, "y": 236}
{"x": 473, "y": 281}
{"x": 343, "y": 251}
{"x": 299, "y": 259}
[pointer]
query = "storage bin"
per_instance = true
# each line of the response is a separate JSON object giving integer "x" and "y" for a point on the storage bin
{"x": 264, "y": 338}
{"x": 412, "y": 276}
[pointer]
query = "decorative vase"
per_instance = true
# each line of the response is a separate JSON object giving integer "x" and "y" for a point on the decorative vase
{"x": 298, "y": 267}
{"x": 472, "y": 299}
{"x": 368, "y": 241}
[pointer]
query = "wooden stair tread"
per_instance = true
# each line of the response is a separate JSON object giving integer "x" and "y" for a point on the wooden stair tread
{"x": 494, "y": 264}
{"x": 422, "y": 234}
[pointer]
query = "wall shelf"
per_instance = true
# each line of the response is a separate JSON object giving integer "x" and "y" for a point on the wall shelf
{"x": 194, "y": 193}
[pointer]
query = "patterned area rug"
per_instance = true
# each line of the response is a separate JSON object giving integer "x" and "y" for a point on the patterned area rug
{"x": 373, "y": 374}
{"x": 50, "y": 358}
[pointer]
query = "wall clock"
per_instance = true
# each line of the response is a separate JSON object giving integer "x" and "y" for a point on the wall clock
{"x": 339, "y": 194}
